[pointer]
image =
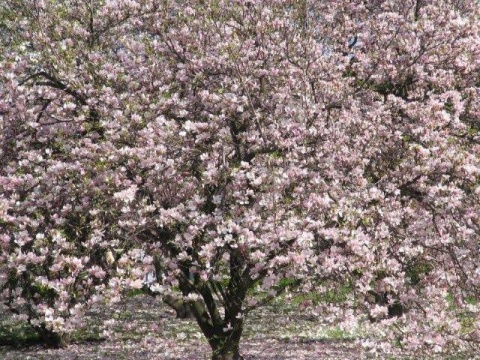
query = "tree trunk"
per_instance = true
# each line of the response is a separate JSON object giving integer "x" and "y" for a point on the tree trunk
{"x": 226, "y": 344}
{"x": 183, "y": 311}
{"x": 226, "y": 349}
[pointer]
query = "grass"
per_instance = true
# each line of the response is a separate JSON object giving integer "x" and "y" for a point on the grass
{"x": 17, "y": 335}
{"x": 143, "y": 323}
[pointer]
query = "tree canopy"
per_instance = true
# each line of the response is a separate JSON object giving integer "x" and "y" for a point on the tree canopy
{"x": 239, "y": 149}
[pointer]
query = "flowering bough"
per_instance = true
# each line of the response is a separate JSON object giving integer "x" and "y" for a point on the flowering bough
{"x": 60, "y": 251}
{"x": 249, "y": 146}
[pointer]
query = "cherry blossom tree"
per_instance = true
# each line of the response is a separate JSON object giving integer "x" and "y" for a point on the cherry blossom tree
{"x": 60, "y": 251}
{"x": 243, "y": 148}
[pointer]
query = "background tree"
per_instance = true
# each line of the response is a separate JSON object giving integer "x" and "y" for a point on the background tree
{"x": 250, "y": 146}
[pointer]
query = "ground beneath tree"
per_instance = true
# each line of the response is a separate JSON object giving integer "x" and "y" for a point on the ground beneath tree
{"x": 145, "y": 329}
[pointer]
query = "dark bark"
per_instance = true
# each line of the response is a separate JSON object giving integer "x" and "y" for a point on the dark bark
{"x": 226, "y": 340}
{"x": 226, "y": 349}
{"x": 223, "y": 334}
{"x": 182, "y": 309}
{"x": 225, "y": 343}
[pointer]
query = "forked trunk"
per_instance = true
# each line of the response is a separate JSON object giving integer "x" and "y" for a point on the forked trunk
{"x": 223, "y": 334}
{"x": 225, "y": 343}
{"x": 226, "y": 349}
{"x": 180, "y": 307}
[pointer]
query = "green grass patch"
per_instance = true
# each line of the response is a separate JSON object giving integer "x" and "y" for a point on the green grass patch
{"x": 18, "y": 335}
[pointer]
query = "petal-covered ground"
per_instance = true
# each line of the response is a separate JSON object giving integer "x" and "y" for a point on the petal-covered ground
{"x": 145, "y": 329}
